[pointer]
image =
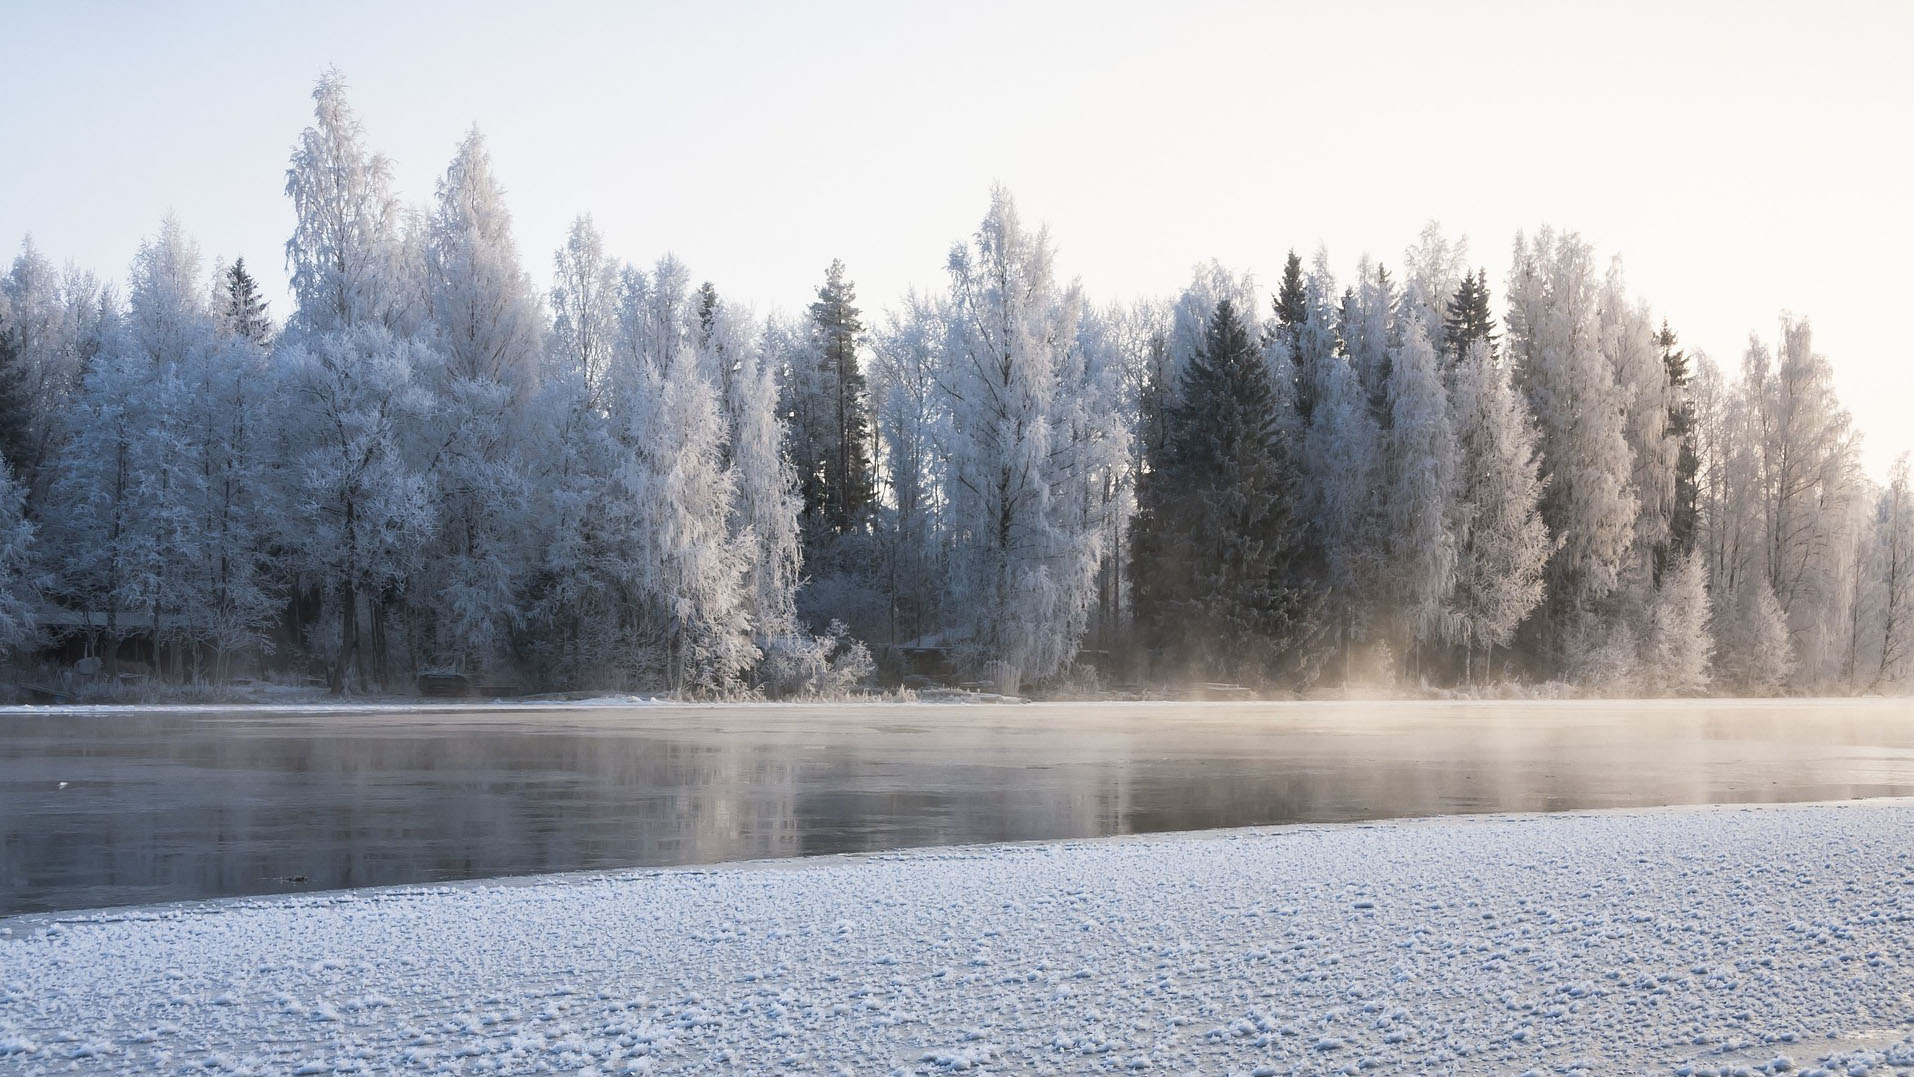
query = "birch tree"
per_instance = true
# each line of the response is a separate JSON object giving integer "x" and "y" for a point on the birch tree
{"x": 1023, "y": 564}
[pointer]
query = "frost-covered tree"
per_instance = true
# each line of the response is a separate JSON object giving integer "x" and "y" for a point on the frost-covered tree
{"x": 1420, "y": 503}
{"x": 241, "y": 310}
{"x": 486, "y": 328}
{"x": 1434, "y": 269}
{"x": 911, "y": 412}
{"x": 1632, "y": 345}
{"x": 1893, "y": 579}
{"x": 346, "y": 254}
{"x": 360, "y": 505}
{"x": 1555, "y": 345}
{"x": 1678, "y": 647}
{"x": 225, "y": 420}
{"x": 1342, "y": 470}
{"x": 1502, "y": 544}
{"x": 584, "y": 300}
{"x": 129, "y": 514}
{"x": 58, "y": 323}
{"x": 1367, "y": 328}
{"x": 684, "y": 568}
{"x": 481, "y": 304}
{"x": 1808, "y": 480}
{"x": 572, "y": 605}
{"x": 765, "y": 517}
{"x": 1755, "y": 657}
{"x": 103, "y": 537}
{"x": 1220, "y": 589}
{"x": 1023, "y": 563}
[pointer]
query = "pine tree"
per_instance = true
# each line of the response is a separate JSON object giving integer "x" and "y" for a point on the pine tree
{"x": 1217, "y": 572}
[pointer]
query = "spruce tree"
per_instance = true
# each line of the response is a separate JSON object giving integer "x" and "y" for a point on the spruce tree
{"x": 245, "y": 311}
{"x": 16, "y": 419}
{"x": 1292, "y": 310}
{"x": 1468, "y": 318}
{"x": 1685, "y": 519}
{"x": 1292, "y": 303}
{"x": 1217, "y": 540}
{"x": 838, "y": 480}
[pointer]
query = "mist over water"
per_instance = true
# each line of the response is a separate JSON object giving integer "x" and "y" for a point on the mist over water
{"x": 162, "y": 806}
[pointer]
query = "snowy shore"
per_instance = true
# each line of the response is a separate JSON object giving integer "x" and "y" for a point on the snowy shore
{"x": 1685, "y": 941}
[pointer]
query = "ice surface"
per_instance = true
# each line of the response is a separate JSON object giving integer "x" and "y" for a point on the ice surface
{"x": 1694, "y": 941}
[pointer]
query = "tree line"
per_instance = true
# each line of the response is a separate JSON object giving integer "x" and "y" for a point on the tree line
{"x": 625, "y": 481}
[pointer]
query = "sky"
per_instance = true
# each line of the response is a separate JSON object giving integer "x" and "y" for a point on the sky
{"x": 1742, "y": 159}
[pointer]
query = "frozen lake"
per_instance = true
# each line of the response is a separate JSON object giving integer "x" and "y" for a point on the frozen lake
{"x": 141, "y": 807}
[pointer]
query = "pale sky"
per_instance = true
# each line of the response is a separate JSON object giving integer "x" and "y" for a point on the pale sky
{"x": 1742, "y": 158}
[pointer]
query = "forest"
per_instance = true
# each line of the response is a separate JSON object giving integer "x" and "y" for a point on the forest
{"x": 616, "y": 478}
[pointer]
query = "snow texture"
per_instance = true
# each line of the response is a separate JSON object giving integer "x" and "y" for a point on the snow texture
{"x": 1692, "y": 942}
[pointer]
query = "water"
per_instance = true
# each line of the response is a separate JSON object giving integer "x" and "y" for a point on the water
{"x": 161, "y": 806}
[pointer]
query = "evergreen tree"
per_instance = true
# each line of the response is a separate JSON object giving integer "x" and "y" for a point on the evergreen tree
{"x": 1292, "y": 300}
{"x": 834, "y": 455}
{"x": 243, "y": 310}
{"x": 16, "y": 418}
{"x": 19, "y": 586}
{"x": 1217, "y": 540}
{"x": 1468, "y": 318}
{"x": 1685, "y": 518}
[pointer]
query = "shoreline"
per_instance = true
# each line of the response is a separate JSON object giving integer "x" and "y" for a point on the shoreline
{"x": 1617, "y": 940}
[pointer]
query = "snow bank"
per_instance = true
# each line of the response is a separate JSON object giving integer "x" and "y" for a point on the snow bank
{"x": 1695, "y": 941}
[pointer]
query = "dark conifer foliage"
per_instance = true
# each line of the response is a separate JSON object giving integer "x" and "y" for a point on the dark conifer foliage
{"x": 245, "y": 309}
{"x": 1291, "y": 301}
{"x": 834, "y": 460}
{"x": 1218, "y": 564}
{"x": 1468, "y": 317}
{"x": 1685, "y": 520}
{"x": 16, "y": 433}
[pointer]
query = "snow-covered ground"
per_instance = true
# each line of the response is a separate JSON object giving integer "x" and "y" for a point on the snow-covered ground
{"x": 1690, "y": 941}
